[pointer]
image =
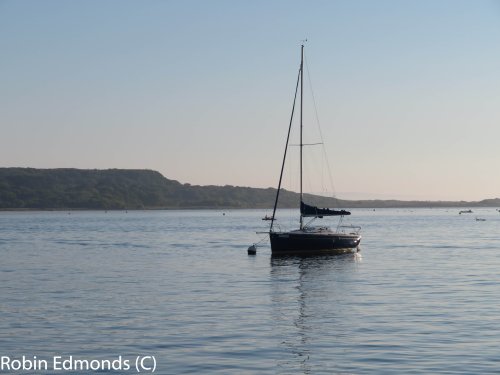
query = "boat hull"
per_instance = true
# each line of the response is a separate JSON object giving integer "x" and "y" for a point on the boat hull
{"x": 301, "y": 243}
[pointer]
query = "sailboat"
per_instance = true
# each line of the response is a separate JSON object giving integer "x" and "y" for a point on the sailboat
{"x": 308, "y": 239}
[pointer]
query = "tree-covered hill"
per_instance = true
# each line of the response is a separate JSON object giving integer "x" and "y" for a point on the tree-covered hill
{"x": 75, "y": 188}
{"x": 29, "y": 188}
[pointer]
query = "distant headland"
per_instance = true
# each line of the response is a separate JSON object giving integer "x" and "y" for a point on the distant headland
{"x": 113, "y": 189}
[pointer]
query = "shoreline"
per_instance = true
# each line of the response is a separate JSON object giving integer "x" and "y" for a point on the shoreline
{"x": 368, "y": 207}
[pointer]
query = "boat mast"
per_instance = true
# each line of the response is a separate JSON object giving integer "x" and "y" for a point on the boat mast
{"x": 301, "y": 143}
{"x": 286, "y": 149}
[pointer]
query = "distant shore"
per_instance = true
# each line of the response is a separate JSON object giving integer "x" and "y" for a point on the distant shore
{"x": 68, "y": 189}
{"x": 458, "y": 206}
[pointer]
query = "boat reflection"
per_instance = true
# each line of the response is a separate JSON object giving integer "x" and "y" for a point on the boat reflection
{"x": 306, "y": 296}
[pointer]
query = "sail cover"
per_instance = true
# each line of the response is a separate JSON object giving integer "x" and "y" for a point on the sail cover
{"x": 312, "y": 211}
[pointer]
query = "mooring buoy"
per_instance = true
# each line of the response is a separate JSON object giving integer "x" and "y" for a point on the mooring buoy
{"x": 252, "y": 250}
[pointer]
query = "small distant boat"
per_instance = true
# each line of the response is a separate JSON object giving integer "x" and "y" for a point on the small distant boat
{"x": 480, "y": 219}
{"x": 465, "y": 212}
{"x": 267, "y": 218}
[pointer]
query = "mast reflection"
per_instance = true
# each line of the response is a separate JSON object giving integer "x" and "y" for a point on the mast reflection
{"x": 306, "y": 295}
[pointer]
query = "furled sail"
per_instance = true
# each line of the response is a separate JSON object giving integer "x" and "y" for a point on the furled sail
{"x": 312, "y": 211}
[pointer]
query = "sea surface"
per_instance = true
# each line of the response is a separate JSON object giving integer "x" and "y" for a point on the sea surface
{"x": 422, "y": 296}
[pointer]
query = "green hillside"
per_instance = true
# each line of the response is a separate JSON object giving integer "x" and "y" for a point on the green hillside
{"x": 29, "y": 188}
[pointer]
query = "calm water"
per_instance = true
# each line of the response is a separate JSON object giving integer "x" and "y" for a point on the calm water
{"x": 423, "y": 297}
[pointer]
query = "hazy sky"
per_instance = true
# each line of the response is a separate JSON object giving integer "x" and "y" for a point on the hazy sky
{"x": 407, "y": 92}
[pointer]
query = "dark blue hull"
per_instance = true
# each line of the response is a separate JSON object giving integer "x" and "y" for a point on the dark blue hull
{"x": 302, "y": 243}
